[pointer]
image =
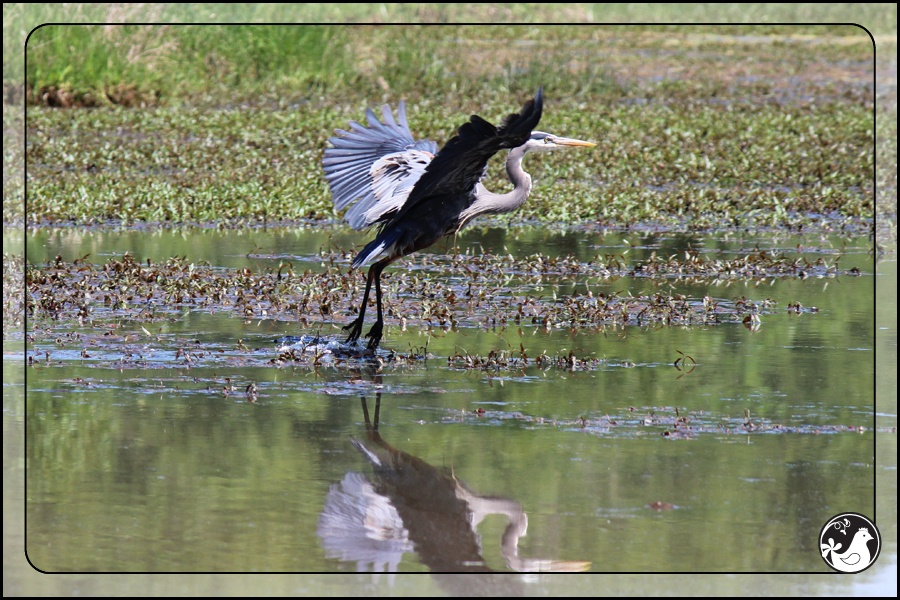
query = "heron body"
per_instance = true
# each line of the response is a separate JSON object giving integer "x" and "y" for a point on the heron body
{"x": 416, "y": 194}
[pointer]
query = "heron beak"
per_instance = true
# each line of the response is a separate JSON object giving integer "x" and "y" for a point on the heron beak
{"x": 561, "y": 141}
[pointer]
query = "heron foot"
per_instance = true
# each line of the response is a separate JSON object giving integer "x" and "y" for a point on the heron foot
{"x": 375, "y": 334}
{"x": 355, "y": 329}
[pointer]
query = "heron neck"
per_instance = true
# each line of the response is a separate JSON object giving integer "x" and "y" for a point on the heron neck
{"x": 520, "y": 180}
{"x": 489, "y": 203}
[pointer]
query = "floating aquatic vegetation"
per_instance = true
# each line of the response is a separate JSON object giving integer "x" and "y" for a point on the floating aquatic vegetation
{"x": 435, "y": 293}
{"x": 449, "y": 292}
{"x": 671, "y": 423}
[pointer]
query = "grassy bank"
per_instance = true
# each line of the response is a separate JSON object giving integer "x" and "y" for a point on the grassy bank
{"x": 174, "y": 59}
{"x": 93, "y": 65}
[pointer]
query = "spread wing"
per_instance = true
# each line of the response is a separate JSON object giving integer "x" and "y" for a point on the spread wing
{"x": 374, "y": 168}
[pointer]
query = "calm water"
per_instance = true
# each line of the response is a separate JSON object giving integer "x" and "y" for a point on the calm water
{"x": 170, "y": 468}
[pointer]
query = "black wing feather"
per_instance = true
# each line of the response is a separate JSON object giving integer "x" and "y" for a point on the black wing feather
{"x": 461, "y": 162}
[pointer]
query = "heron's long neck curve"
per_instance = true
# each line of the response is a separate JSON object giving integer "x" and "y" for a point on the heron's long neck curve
{"x": 489, "y": 203}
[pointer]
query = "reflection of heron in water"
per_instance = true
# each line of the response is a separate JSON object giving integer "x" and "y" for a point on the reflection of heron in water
{"x": 416, "y": 194}
{"x": 412, "y": 505}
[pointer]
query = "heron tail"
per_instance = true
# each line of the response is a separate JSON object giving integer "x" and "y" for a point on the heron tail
{"x": 371, "y": 251}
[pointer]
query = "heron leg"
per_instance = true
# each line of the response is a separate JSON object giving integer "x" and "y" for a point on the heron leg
{"x": 377, "y": 330}
{"x": 355, "y": 327}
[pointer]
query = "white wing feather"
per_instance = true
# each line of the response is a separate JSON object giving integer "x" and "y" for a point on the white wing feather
{"x": 374, "y": 168}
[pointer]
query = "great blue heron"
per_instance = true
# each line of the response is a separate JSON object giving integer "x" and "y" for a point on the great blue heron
{"x": 415, "y": 194}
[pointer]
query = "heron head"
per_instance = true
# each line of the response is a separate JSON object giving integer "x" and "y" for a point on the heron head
{"x": 543, "y": 142}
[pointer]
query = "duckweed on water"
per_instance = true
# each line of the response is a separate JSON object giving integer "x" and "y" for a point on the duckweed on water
{"x": 714, "y": 165}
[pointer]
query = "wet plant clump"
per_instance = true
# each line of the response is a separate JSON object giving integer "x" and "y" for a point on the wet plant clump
{"x": 485, "y": 290}
{"x": 131, "y": 300}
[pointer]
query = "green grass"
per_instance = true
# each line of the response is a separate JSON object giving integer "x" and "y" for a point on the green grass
{"x": 135, "y": 64}
{"x": 177, "y": 61}
{"x": 128, "y": 54}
